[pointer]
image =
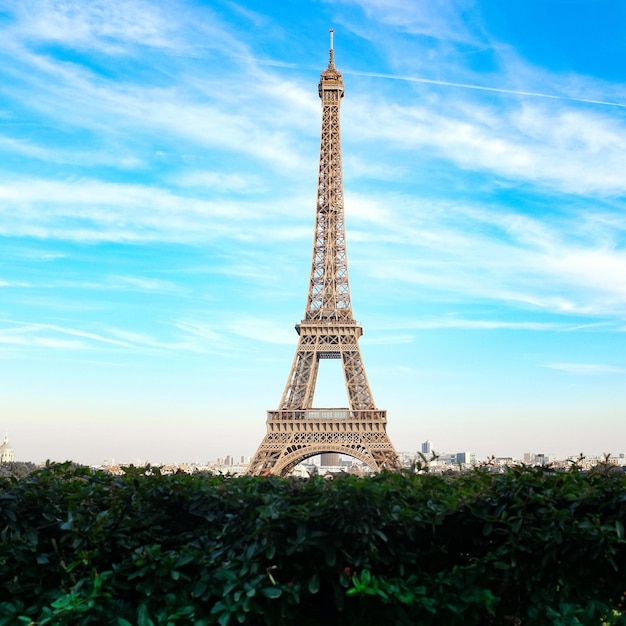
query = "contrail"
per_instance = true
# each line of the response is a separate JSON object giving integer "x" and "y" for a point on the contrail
{"x": 444, "y": 83}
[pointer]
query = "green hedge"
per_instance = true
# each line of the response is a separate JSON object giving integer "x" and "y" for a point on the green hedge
{"x": 531, "y": 546}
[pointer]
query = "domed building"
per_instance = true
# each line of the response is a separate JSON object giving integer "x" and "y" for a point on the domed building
{"x": 6, "y": 451}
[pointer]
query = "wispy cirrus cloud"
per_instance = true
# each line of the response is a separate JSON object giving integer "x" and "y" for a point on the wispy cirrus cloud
{"x": 191, "y": 336}
{"x": 109, "y": 26}
{"x": 440, "y": 21}
{"x": 474, "y": 324}
{"x": 141, "y": 283}
{"x": 93, "y": 210}
{"x": 221, "y": 182}
{"x": 570, "y": 151}
{"x": 261, "y": 329}
{"x": 556, "y": 131}
{"x": 46, "y": 335}
{"x": 98, "y": 157}
{"x": 199, "y": 329}
{"x": 198, "y": 107}
{"x": 564, "y": 263}
{"x": 587, "y": 369}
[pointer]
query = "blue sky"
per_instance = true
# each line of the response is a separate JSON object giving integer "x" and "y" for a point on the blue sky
{"x": 158, "y": 171}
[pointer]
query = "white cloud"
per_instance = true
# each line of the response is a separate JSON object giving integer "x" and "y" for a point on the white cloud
{"x": 587, "y": 369}
{"x": 262, "y": 329}
{"x": 442, "y": 20}
{"x": 108, "y": 25}
{"x": 455, "y": 322}
{"x": 35, "y": 334}
{"x": 139, "y": 283}
{"x": 93, "y": 210}
{"x": 58, "y": 344}
{"x": 555, "y": 147}
{"x": 553, "y": 263}
{"x": 175, "y": 100}
{"x": 193, "y": 337}
{"x": 199, "y": 329}
{"x": 221, "y": 181}
{"x": 96, "y": 157}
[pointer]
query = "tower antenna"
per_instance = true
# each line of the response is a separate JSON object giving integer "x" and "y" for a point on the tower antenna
{"x": 332, "y": 51}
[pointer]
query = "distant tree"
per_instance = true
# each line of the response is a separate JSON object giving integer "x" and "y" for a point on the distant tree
{"x": 606, "y": 467}
{"x": 17, "y": 469}
{"x": 203, "y": 472}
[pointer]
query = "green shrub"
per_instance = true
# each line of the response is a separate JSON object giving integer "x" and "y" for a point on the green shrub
{"x": 530, "y": 547}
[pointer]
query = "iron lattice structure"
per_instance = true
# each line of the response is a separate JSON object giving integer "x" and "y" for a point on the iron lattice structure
{"x": 297, "y": 431}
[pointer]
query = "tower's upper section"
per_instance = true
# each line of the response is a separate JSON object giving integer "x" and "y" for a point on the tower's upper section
{"x": 329, "y": 292}
{"x": 331, "y": 82}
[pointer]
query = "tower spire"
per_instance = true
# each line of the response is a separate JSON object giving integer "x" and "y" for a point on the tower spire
{"x": 297, "y": 431}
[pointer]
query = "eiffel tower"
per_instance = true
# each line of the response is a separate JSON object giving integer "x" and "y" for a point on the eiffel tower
{"x": 297, "y": 431}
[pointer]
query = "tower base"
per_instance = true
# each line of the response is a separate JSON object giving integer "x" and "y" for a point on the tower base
{"x": 295, "y": 435}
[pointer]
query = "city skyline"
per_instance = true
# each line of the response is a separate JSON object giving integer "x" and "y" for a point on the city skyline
{"x": 158, "y": 168}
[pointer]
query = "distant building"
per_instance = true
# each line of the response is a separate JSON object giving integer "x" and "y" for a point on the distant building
{"x": 455, "y": 458}
{"x": 504, "y": 461}
{"x": 532, "y": 458}
{"x": 6, "y": 451}
{"x": 464, "y": 458}
{"x": 329, "y": 459}
{"x": 426, "y": 447}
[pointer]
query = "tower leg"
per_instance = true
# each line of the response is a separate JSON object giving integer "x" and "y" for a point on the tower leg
{"x": 300, "y": 386}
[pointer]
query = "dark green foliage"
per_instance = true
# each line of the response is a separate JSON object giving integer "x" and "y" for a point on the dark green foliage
{"x": 527, "y": 547}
